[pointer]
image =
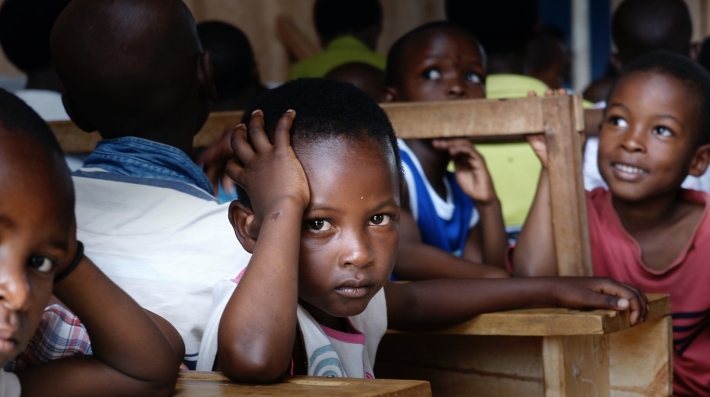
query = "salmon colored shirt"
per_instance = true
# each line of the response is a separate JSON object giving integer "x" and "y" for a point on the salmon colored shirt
{"x": 617, "y": 255}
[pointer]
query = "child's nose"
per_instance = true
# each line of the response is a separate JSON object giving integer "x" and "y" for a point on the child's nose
{"x": 633, "y": 140}
{"x": 356, "y": 250}
{"x": 456, "y": 89}
{"x": 14, "y": 286}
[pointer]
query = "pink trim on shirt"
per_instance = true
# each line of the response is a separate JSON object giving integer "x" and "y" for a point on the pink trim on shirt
{"x": 355, "y": 337}
{"x": 237, "y": 279}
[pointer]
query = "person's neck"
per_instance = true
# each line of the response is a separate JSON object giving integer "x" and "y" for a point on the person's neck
{"x": 44, "y": 80}
{"x": 506, "y": 64}
{"x": 434, "y": 163}
{"x": 647, "y": 214}
{"x": 323, "y": 318}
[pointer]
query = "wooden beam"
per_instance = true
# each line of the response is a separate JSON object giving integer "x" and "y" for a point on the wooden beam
{"x": 553, "y": 321}
{"x": 215, "y": 384}
{"x": 499, "y": 120}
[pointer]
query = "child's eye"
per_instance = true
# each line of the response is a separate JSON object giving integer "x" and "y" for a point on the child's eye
{"x": 320, "y": 225}
{"x": 380, "y": 220}
{"x": 473, "y": 78}
{"x": 618, "y": 121}
{"x": 432, "y": 74}
{"x": 663, "y": 131}
{"x": 41, "y": 263}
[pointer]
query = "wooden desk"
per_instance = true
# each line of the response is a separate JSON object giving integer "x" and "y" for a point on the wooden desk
{"x": 214, "y": 384}
{"x": 539, "y": 352}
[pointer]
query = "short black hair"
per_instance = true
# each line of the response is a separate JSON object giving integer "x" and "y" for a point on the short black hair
{"x": 502, "y": 26}
{"x": 232, "y": 56}
{"x": 335, "y": 18}
{"x": 17, "y": 117}
{"x": 25, "y": 27}
{"x": 641, "y": 26}
{"x": 325, "y": 109}
{"x": 693, "y": 75}
{"x": 395, "y": 56}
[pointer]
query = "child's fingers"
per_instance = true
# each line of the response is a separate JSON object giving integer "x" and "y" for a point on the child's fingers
{"x": 257, "y": 136}
{"x": 627, "y": 297}
{"x": 241, "y": 147}
{"x": 234, "y": 171}
{"x": 282, "y": 137}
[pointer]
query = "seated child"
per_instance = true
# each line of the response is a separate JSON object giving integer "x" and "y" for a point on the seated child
{"x": 320, "y": 212}
{"x": 135, "y": 72}
{"x": 363, "y": 76}
{"x": 40, "y": 255}
{"x": 444, "y": 233}
{"x": 646, "y": 230}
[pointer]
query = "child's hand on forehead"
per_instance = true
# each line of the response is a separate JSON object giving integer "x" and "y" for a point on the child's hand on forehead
{"x": 471, "y": 172}
{"x": 268, "y": 173}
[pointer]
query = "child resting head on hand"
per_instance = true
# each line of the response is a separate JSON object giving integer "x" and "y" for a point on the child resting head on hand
{"x": 320, "y": 176}
{"x": 39, "y": 255}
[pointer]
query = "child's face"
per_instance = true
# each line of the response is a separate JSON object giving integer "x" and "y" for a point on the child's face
{"x": 351, "y": 226}
{"x": 35, "y": 227}
{"x": 444, "y": 65}
{"x": 648, "y": 137}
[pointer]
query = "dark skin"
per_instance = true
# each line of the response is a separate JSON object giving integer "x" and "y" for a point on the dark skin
{"x": 330, "y": 247}
{"x": 133, "y": 68}
{"x": 132, "y": 356}
{"x": 648, "y": 144}
{"x": 447, "y": 64}
{"x": 363, "y": 76}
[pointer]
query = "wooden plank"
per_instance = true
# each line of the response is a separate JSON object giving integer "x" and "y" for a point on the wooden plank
{"x": 214, "y": 384}
{"x": 410, "y": 120}
{"x": 642, "y": 360}
{"x": 461, "y": 365}
{"x": 569, "y": 210}
{"x": 553, "y": 321}
{"x": 576, "y": 366}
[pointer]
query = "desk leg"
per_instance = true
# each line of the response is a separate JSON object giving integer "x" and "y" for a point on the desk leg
{"x": 576, "y": 366}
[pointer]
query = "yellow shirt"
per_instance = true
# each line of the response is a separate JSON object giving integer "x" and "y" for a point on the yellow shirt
{"x": 342, "y": 50}
{"x": 514, "y": 167}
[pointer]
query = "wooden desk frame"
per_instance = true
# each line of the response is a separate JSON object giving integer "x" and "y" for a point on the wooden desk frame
{"x": 573, "y": 360}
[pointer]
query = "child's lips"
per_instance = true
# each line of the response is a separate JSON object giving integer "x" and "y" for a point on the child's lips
{"x": 354, "y": 288}
{"x": 7, "y": 341}
{"x": 628, "y": 172}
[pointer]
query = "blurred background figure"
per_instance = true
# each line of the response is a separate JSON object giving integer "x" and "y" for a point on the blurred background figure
{"x": 348, "y": 31}
{"x": 236, "y": 76}
{"x": 547, "y": 58}
{"x": 363, "y": 76}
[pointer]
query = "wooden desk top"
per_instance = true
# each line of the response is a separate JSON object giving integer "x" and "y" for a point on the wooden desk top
{"x": 555, "y": 321}
{"x": 214, "y": 384}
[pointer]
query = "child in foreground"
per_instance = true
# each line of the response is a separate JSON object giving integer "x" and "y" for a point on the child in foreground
{"x": 646, "y": 230}
{"x": 39, "y": 255}
{"x": 444, "y": 234}
{"x": 320, "y": 212}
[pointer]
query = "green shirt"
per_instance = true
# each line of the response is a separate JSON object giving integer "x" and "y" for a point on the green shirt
{"x": 342, "y": 50}
{"x": 514, "y": 167}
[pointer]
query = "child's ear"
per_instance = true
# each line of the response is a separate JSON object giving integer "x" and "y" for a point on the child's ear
{"x": 390, "y": 94}
{"x": 205, "y": 76}
{"x": 75, "y": 116}
{"x": 700, "y": 161}
{"x": 241, "y": 218}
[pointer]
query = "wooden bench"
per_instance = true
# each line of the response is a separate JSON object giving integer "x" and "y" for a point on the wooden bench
{"x": 214, "y": 384}
{"x": 550, "y": 352}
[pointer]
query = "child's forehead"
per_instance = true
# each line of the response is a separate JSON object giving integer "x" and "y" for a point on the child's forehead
{"x": 430, "y": 42}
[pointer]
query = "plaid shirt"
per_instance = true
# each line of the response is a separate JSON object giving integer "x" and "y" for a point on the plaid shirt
{"x": 60, "y": 334}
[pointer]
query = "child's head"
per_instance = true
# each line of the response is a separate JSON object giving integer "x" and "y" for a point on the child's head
{"x": 363, "y": 76}
{"x": 656, "y": 128}
{"x": 359, "y": 18}
{"x": 133, "y": 67}
{"x": 36, "y": 220}
{"x": 437, "y": 61}
{"x": 25, "y": 26}
{"x": 235, "y": 71}
{"x": 642, "y": 26}
{"x": 348, "y": 151}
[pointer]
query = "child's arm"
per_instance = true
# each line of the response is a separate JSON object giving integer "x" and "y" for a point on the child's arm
{"x": 489, "y": 241}
{"x": 258, "y": 327}
{"x": 132, "y": 356}
{"x": 419, "y": 261}
{"x": 438, "y": 303}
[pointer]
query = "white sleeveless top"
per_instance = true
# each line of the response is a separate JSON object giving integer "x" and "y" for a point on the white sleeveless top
{"x": 9, "y": 384}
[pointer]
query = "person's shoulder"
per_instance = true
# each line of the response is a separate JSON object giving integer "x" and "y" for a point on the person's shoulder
{"x": 513, "y": 86}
